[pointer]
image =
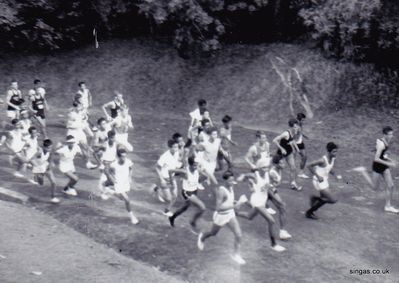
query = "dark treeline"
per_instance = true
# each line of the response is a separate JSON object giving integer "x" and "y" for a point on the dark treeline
{"x": 361, "y": 30}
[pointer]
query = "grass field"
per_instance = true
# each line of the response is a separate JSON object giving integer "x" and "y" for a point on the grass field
{"x": 161, "y": 90}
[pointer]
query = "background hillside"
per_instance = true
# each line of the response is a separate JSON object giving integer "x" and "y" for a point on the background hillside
{"x": 239, "y": 80}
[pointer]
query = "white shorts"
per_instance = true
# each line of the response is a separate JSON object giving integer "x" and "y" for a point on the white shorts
{"x": 320, "y": 186}
{"x": 101, "y": 182}
{"x": 222, "y": 218}
{"x": 121, "y": 187}
{"x": 12, "y": 114}
{"x": 123, "y": 140}
{"x": 67, "y": 167}
{"x": 258, "y": 199}
{"x": 40, "y": 169}
{"x": 208, "y": 166}
{"x": 78, "y": 134}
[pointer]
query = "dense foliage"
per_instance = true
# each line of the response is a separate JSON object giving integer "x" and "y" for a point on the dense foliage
{"x": 359, "y": 29}
{"x": 352, "y": 29}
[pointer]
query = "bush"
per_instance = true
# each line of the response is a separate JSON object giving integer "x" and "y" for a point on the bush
{"x": 354, "y": 29}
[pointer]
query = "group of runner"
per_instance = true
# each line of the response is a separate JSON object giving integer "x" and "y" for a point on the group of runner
{"x": 189, "y": 163}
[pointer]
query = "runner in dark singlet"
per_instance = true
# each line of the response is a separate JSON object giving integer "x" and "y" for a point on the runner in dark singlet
{"x": 114, "y": 106}
{"x": 39, "y": 104}
{"x": 286, "y": 145}
{"x": 381, "y": 168}
{"x": 14, "y": 101}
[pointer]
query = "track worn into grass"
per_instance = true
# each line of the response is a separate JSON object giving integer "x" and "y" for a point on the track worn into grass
{"x": 353, "y": 234}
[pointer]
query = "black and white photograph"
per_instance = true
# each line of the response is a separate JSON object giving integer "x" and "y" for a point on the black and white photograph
{"x": 199, "y": 141}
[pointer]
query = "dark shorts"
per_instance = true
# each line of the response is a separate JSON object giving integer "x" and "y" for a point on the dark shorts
{"x": 301, "y": 146}
{"x": 379, "y": 168}
{"x": 40, "y": 113}
{"x": 221, "y": 156}
{"x": 187, "y": 194}
{"x": 288, "y": 150}
{"x": 39, "y": 177}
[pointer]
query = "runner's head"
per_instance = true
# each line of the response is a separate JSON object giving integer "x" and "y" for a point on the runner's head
{"x": 82, "y": 85}
{"x": 47, "y": 144}
{"x": 37, "y": 83}
{"x": 77, "y": 105}
{"x": 14, "y": 84}
{"x": 101, "y": 123}
{"x": 173, "y": 146}
{"x": 300, "y": 117}
{"x": 118, "y": 97}
{"x": 100, "y": 150}
{"x": 261, "y": 136}
{"x": 293, "y": 123}
{"x": 192, "y": 162}
{"x": 228, "y": 177}
{"x": 179, "y": 139}
{"x": 202, "y": 105}
{"x": 332, "y": 149}
{"x": 212, "y": 132}
{"x": 33, "y": 131}
{"x": 14, "y": 122}
{"x": 205, "y": 123}
{"x": 121, "y": 153}
{"x": 388, "y": 133}
{"x": 226, "y": 120}
{"x": 70, "y": 141}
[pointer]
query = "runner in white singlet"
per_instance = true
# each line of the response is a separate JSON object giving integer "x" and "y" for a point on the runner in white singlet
{"x": 42, "y": 167}
{"x": 13, "y": 140}
{"x": 120, "y": 174}
{"x": 321, "y": 169}
{"x": 259, "y": 184}
{"x": 225, "y": 215}
{"x": 259, "y": 150}
{"x": 190, "y": 186}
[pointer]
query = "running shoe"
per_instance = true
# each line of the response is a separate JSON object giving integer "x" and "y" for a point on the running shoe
{"x": 33, "y": 182}
{"x": 91, "y": 165}
{"x": 237, "y": 258}
{"x": 303, "y": 176}
{"x": 134, "y": 219}
{"x": 18, "y": 174}
{"x": 278, "y": 248}
{"x": 104, "y": 196}
{"x": 168, "y": 213}
{"x": 271, "y": 211}
{"x": 284, "y": 235}
{"x": 391, "y": 209}
{"x": 55, "y": 200}
{"x": 70, "y": 192}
